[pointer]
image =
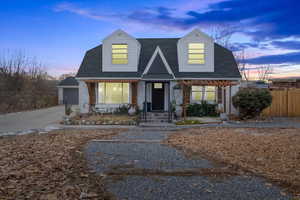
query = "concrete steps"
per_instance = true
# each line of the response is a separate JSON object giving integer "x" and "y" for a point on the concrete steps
{"x": 157, "y": 117}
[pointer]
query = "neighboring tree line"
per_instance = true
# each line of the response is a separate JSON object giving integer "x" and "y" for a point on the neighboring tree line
{"x": 24, "y": 84}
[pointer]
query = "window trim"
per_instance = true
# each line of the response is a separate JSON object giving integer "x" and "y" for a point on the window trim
{"x": 104, "y": 92}
{"x": 120, "y": 59}
{"x": 203, "y": 94}
{"x": 193, "y": 59}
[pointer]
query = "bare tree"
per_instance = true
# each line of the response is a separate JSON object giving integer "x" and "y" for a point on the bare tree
{"x": 23, "y": 83}
{"x": 242, "y": 66}
{"x": 63, "y": 76}
{"x": 264, "y": 72}
{"x": 222, "y": 34}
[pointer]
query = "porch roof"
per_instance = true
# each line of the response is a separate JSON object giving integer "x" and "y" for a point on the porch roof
{"x": 112, "y": 81}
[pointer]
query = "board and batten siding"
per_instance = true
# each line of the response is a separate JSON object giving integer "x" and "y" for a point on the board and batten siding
{"x": 195, "y": 36}
{"x": 134, "y": 47}
{"x": 83, "y": 97}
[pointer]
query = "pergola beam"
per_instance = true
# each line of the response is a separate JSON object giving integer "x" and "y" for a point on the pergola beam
{"x": 222, "y": 83}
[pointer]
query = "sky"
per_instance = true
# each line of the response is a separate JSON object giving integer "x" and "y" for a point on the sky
{"x": 57, "y": 33}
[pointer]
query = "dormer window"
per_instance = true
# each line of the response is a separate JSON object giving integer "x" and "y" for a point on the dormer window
{"x": 196, "y": 53}
{"x": 119, "y": 53}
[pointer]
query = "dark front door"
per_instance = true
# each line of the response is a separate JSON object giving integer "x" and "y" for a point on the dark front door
{"x": 158, "y": 96}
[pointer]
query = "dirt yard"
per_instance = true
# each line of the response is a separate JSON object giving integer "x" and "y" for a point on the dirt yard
{"x": 49, "y": 166}
{"x": 270, "y": 152}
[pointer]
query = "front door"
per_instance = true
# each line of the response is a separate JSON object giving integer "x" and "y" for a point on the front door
{"x": 158, "y": 96}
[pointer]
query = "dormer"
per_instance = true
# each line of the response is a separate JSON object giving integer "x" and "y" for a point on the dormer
{"x": 196, "y": 52}
{"x": 120, "y": 52}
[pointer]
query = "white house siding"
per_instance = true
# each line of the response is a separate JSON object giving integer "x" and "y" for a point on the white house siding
{"x": 234, "y": 90}
{"x": 83, "y": 97}
{"x": 166, "y": 104}
{"x": 60, "y": 95}
{"x": 182, "y": 50}
{"x": 177, "y": 96}
{"x": 134, "y": 47}
{"x": 140, "y": 94}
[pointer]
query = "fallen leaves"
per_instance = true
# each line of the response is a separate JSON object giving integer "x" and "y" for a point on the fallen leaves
{"x": 271, "y": 152}
{"x": 49, "y": 166}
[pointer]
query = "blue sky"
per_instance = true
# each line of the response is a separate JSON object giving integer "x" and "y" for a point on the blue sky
{"x": 59, "y": 32}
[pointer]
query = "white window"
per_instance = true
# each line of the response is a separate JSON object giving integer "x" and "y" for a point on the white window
{"x": 119, "y": 53}
{"x": 113, "y": 93}
{"x": 203, "y": 93}
{"x": 196, "y": 53}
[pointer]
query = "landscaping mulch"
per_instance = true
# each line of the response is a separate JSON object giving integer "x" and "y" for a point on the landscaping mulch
{"x": 273, "y": 153}
{"x": 50, "y": 166}
{"x": 98, "y": 119}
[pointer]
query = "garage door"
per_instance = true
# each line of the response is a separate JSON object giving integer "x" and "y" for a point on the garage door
{"x": 71, "y": 96}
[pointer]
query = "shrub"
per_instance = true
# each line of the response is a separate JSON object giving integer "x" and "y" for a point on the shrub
{"x": 251, "y": 101}
{"x": 203, "y": 109}
{"x": 123, "y": 109}
{"x": 68, "y": 110}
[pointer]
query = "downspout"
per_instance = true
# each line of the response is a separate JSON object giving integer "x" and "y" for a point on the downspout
{"x": 145, "y": 103}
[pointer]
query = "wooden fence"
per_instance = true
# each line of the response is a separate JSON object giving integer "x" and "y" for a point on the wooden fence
{"x": 285, "y": 103}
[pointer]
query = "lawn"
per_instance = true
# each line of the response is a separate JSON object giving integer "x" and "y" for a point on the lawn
{"x": 269, "y": 152}
{"x": 49, "y": 166}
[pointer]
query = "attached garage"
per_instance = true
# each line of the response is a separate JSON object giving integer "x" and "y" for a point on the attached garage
{"x": 68, "y": 91}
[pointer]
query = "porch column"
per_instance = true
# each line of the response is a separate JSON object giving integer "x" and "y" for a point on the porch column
{"x": 186, "y": 98}
{"x": 92, "y": 95}
{"x": 134, "y": 94}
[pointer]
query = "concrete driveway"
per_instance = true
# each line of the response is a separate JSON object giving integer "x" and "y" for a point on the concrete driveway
{"x": 30, "y": 120}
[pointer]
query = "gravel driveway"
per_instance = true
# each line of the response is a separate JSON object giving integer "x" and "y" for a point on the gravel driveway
{"x": 137, "y": 166}
{"x": 30, "y": 120}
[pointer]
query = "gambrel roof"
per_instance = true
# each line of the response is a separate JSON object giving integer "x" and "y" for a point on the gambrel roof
{"x": 225, "y": 64}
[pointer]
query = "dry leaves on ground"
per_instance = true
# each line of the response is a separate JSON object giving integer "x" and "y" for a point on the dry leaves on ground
{"x": 271, "y": 152}
{"x": 49, "y": 166}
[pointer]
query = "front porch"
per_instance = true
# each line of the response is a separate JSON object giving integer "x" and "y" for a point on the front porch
{"x": 153, "y": 96}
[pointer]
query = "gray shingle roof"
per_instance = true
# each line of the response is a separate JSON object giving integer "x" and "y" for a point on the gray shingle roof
{"x": 69, "y": 81}
{"x": 157, "y": 70}
{"x": 225, "y": 65}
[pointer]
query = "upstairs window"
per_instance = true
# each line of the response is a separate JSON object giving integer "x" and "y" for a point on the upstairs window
{"x": 119, "y": 54}
{"x": 196, "y": 53}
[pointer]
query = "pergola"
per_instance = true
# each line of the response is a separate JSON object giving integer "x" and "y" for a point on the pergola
{"x": 187, "y": 84}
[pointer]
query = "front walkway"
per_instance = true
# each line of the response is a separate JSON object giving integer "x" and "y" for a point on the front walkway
{"x": 23, "y": 122}
{"x": 136, "y": 165}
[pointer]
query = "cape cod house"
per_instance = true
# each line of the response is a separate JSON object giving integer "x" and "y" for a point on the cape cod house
{"x": 153, "y": 73}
